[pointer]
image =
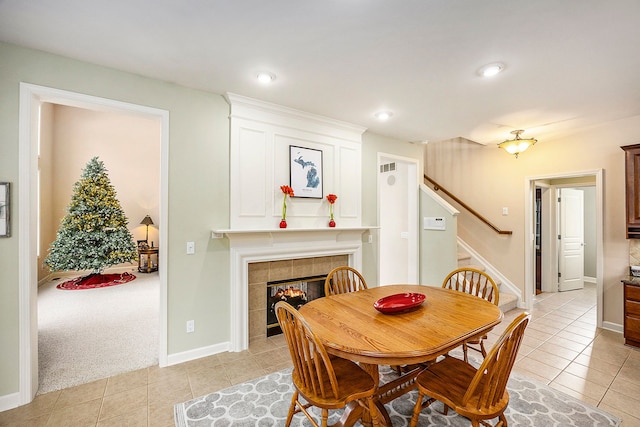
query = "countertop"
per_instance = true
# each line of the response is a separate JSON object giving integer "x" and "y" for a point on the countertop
{"x": 631, "y": 280}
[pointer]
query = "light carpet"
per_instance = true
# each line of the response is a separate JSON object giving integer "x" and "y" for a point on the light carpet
{"x": 265, "y": 402}
{"x": 96, "y": 333}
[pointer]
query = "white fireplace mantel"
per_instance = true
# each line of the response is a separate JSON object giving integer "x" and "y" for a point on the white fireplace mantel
{"x": 258, "y": 245}
{"x": 285, "y": 233}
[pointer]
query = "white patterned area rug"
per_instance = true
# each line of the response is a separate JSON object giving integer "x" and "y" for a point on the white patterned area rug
{"x": 264, "y": 402}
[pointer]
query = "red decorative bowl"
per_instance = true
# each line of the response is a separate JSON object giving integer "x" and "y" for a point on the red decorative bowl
{"x": 399, "y": 303}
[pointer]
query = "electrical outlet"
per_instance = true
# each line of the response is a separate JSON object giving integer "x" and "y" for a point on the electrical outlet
{"x": 191, "y": 248}
{"x": 191, "y": 326}
{"x": 505, "y": 211}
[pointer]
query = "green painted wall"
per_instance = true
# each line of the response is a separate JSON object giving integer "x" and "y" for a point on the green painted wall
{"x": 438, "y": 248}
{"x": 198, "y": 193}
{"x": 198, "y": 285}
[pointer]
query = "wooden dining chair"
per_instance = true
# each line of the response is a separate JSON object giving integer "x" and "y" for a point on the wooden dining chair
{"x": 475, "y": 282}
{"x": 342, "y": 280}
{"x": 327, "y": 382}
{"x": 478, "y": 394}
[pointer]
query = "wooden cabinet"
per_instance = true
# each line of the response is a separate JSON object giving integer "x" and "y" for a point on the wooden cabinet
{"x": 632, "y": 168}
{"x": 631, "y": 312}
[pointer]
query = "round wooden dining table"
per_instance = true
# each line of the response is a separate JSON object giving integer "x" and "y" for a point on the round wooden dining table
{"x": 350, "y": 327}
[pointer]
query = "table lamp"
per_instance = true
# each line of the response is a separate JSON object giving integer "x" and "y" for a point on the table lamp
{"x": 147, "y": 221}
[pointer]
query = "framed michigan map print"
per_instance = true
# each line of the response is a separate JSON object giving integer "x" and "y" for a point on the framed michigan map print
{"x": 305, "y": 172}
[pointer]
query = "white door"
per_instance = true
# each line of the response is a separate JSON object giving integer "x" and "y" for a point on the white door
{"x": 398, "y": 219}
{"x": 571, "y": 252}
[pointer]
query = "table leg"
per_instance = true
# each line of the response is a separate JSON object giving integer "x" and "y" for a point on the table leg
{"x": 384, "y": 393}
{"x": 383, "y": 415}
{"x": 353, "y": 413}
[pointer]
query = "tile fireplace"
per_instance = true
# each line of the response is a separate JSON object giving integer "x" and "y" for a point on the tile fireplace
{"x": 261, "y": 256}
{"x": 270, "y": 282}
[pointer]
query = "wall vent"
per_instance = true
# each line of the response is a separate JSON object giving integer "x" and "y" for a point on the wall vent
{"x": 388, "y": 167}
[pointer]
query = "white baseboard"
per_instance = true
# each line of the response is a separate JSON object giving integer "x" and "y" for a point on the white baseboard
{"x": 197, "y": 353}
{"x": 489, "y": 268}
{"x": 614, "y": 327}
{"x": 589, "y": 279}
{"x": 9, "y": 401}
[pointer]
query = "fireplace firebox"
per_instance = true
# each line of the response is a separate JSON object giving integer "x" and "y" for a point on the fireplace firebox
{"x": 296, "y": 292}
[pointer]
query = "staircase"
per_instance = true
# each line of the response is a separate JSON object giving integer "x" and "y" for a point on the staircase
{"x": 508, "y": 301}
{"x": 510, "y": 294}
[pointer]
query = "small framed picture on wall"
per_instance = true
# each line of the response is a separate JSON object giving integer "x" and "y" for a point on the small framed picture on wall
{"x": 305, "y": 172}
{"x": 5, "y": 209}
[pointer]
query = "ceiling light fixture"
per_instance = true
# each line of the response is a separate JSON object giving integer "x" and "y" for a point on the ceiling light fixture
{"x": 517, "y": 145}
{"x": 383, "y": 115}
{"x": 491, "y": 70}
{"x": 265, "y": 77}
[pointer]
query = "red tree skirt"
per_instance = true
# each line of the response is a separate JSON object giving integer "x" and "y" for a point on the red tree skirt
{"x": 96, "y": 281}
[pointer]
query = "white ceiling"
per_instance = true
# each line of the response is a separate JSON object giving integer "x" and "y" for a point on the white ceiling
{"x": 570, "y": 64}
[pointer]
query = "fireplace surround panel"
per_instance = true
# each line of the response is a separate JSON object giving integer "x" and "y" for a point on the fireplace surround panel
{"x": 263, "y": 255}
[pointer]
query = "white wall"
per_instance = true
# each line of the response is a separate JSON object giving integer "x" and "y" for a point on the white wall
{"x": 48, "y": 223}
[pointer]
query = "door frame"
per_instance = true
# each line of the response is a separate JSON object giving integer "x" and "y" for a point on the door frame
{"x": 529, "y": 232}
{"x": 31, "y": 97}
{"x": 413, "y": 242}
{"x": 549, "y": 267}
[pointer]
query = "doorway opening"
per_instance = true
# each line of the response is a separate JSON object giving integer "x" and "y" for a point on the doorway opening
{"x": 31, "y": 99}
{"x": 94, "y": 334}
{"x": 398, "y": 219}
{"x": 543, "y": 264}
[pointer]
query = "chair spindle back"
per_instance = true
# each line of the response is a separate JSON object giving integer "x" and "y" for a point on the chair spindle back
{"x": 490, "y": 381}
{"x": 342, "y": 280}
{"x": 312, "y": 369}
{"x": 473, "y": 281}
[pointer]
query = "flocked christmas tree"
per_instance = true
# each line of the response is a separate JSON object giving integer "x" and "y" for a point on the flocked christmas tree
{"x": 93, "y": 235}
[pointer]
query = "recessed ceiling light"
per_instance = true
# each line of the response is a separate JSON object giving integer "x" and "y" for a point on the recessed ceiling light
{"x": 383, "y": 115}
{"x": 491, "y": 70}
{"x": 266, "y": 77}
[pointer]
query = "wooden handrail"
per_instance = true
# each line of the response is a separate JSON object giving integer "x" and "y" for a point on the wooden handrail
{"x": 437, "y": 187}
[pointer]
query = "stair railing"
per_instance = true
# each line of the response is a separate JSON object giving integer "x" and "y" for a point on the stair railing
{"x": 438, "y": 187}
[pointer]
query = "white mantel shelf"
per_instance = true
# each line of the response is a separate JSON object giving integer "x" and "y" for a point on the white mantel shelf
{"x": 236, "y": 232}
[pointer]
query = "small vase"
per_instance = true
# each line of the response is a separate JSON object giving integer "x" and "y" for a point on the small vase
{"x": 332, "y": 223}
{"x": 283, "y": 223}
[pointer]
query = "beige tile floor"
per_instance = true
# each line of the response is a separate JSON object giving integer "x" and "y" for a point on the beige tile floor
{"x": 562, "y": 348}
